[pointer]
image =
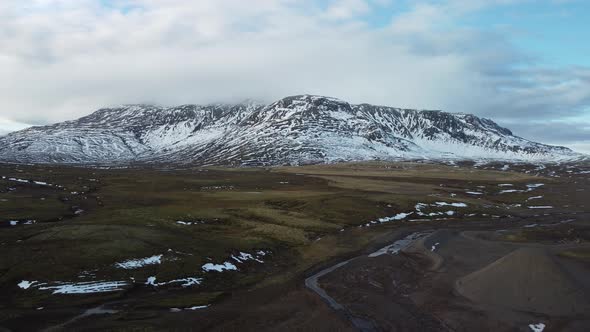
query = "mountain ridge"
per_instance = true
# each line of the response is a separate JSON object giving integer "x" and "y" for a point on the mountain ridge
{"x": 291, "y": 131}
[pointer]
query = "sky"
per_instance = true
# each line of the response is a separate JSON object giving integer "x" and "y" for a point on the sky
{"x": 522, "y": 63}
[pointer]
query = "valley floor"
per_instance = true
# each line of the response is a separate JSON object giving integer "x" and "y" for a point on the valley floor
{"x": 502, "y": 247}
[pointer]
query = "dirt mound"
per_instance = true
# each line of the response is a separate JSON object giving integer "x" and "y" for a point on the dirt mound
{"x": 528, "y": 280}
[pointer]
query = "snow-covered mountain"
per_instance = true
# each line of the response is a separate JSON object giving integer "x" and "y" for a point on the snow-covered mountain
{"x": 294, "y": 130}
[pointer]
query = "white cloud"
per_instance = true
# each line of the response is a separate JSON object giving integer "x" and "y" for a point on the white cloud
{"x": 582, "y": 147}
{"x": 60, "y": 59}
{"x": 8, "y": 126}
{"x": 346, "y": 9}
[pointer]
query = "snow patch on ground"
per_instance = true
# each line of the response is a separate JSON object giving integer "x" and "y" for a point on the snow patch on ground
{"x": 199, "y": 307}
{"x": 433, "y": 248}
{"x": 244, "y": 257}
{"x": 218, "y": 188}
{"x": 534, "y": 186}
{"x": 39, "y": 183}
{"x": 22, "y": 222}
{"x": 540, "y": 327}
{"x": 140, "y": 262}
{"x": 511, "y": 191}
{"x": 184, "y": 282}
{"x": 239, "y": 258}
{"x": 188, "y": 223}
{"x": 86, "y": 287}
{"x": 461, "y": 205}
{"x": 227, "y": 266}
{"x": 25, "y": 284}
{"x": 398, "y": 216}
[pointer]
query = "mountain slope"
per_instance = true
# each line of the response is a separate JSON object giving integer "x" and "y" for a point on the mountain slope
{"x": 293, "y": 130}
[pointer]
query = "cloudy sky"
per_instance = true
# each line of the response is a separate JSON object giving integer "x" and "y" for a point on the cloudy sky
{"x": 522, "y": 63}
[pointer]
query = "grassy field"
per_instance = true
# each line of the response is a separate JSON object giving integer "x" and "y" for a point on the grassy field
{"x": 89, "y": 219}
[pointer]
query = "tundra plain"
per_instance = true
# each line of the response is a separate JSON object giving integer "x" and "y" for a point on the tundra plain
{"x": 506, "y": 247}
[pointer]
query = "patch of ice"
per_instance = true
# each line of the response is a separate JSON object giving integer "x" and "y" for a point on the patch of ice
{"x": 505, "y": 185}
{"x": 14, "y": 222}
{"x": 137, "y": 263}
{"x": 541, "y": 207}
{"x": 474, "y": 193}
{"x": 219, "y": 267}
{"x": 534, "y": 197}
